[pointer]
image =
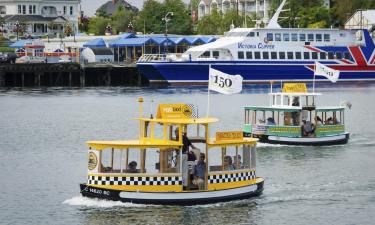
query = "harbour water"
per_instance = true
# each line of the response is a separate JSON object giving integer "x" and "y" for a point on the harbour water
{"x": 43, "y": 158}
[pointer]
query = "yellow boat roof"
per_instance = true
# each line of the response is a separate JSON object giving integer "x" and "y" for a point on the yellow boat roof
{"x": 143, "y": 143}
{"x": 205, "y": 120}
{"x": 215, "y": 143}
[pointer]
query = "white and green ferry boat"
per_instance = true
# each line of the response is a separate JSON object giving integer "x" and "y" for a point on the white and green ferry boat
{"x": 293, "y": 118}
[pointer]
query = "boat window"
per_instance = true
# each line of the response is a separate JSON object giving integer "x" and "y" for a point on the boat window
{"x": 318, "y": 37}
{"x": 294, "y": 37}
{"x": 338, "y": 55}
{"x": 327, "y": 38}
{"x": 257, "y": 55}
{"x": 278, "y": 37}
{"x": 306, "y": 55}
{"x": 302, "y": 37}
{"x": 251, "y": 34}
{"x": 240, "y": 55}
{"x": 249, "y": 55}
{"x": 265, "y": 55}
{"x": 290, "y": 55}
{"x": 331, "y": 55}
{"x": 298, "y": 55}
{"x": 310, "y": 37}
{"x": 281, "y": 55}
{"x": 286, "y": 37}
{"x": 257, "y": 34}
{"x": 231, "y": 158}
{"x": 215, "y": 54}
{"x": 206, "y": 54}
{"x": 347, "y": 55}
{"x": 273, "y": 55}
{"x": 269, "y": 36}
{"x": 323, "y": 55}
{"x": 314, "y": 55}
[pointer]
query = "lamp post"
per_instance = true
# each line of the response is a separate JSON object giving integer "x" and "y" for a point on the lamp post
{"x": 17, "y": 28}
{"x": 166, "y": 19}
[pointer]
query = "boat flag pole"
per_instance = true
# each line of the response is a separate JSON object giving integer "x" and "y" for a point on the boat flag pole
{"x": 208, "y": 91}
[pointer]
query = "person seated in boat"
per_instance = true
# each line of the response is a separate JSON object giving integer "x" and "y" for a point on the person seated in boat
{"x": 335, "y": 121}
{"x": 228, "y": 163}
{"x": 295, "y": 101}
{"x": 200, "y": 172}
{"x": 308, "y": 128}
{"x": 237, "y": 162}
{"x": 261, "y": 122}
{"x": 319, "y": 121}
{"x": 295, "y": 115}
{"x": 132, "y": 167}
{"x": 270, "y": 121}
{"x": 329, "y": 121}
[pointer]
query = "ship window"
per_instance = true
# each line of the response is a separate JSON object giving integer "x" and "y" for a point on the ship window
{"x": 314, "y": 55}
{"x": 326, "y": 38}
{"x": 257, "y": 55}
{"x": 318, "y": 37}
{"x": 278, "y": 37}
{"x": 302, "y": 37}
{"x": 281, "y": 55}
{"x": 294, "y": 37}
{"x": 215, "y": 54}
{"x": 306, "y": 55}
{"x": 290, "y": 55}
{"x": 265, "y": 55}
{"x": 30, "y": 9}
{"x": 251, "y": 34}
{"x": 273, "y": 55}
{"x": 323, "y": 55}
{"x": 206, "y": 54}
{"x": 270, "y": 37}
{"x": 257, "y": 34}
{"x": 338, "y": 55}
{"x": 347, "y": 55}
{"x": 241, "y": 55}
{"x": 331, "y": 55}
{"x": 298, "y": 55}
{"x": 286, "y": 37}
{"x": 249, "y": 55}
{"x": 310, "y": 37}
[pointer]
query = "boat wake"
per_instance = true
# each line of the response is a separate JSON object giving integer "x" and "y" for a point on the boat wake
{"x": 99, "y": 203}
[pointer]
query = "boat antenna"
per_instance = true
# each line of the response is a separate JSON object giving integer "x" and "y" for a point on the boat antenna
{"x": 151, "y": 108}
{"x": 273, "y": 22}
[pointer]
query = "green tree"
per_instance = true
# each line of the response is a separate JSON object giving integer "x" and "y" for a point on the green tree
{"x": 343, "y": 9}
{"x": 150, "y": 17}
{"x": 98, "y": 24}
{"x": 180, "y": 22}
{"x": 210, "y": 24}
{"x": 121, "y": 18}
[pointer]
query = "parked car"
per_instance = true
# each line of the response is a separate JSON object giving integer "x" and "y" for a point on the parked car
{"x": 9, "y": 57}
{"x": 30, "y": 59}
{"x": 65, "y": 59}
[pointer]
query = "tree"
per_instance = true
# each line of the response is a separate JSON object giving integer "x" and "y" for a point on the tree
{"x": 83, "y": 25}
{"x": 211, "y": 24}
{"x": 121, "y": 19}
{"x": 98, "y": 24}
{"x": 150, "y": 17}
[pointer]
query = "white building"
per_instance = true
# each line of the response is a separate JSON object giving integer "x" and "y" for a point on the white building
{"x": 259, "y": 8}
{"x": 39, "y": 17}
{"x": 362, "y": 19}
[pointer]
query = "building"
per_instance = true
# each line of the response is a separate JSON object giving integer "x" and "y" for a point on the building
{"x": 362, "y": 19}
{"x": 39, "y": 17}
{"x": 259, "y": 8}
{"x": 111, "y": 6}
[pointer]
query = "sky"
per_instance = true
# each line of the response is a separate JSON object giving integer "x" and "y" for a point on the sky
{"x": 90, "y": 6}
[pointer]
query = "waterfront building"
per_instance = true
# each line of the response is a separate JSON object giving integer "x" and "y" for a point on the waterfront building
{"x": 362, "y": 19}
{"x": 39, "y": 17}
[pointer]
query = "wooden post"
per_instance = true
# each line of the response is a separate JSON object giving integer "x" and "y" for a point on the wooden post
{"x": 83, "y": 78}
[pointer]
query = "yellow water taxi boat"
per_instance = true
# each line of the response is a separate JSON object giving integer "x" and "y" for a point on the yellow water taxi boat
{"x": 174, "y": 162}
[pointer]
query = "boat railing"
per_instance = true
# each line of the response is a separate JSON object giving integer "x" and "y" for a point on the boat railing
{"x": 152, "y": 58}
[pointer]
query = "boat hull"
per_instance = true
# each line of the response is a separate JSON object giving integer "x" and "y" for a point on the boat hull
{"x": 314, "y": 141}
{"x": 175, "y": 198}
{"x": 177, "y": 73}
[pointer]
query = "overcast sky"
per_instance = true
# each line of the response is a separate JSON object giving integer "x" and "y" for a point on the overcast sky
{"x": 90, "y": 6}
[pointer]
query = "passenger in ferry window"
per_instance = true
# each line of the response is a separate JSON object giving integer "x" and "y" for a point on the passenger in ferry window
{"x": 270, "y": 121}
{"x": 228, "y": 163}
{"x": 237, "y": 162}
{"x": 200, "y": 172}
{"x": 132, "y": 167}
{"x": 319, "y": 121}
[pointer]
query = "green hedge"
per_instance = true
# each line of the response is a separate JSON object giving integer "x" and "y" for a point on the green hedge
{"x": 6, "y": 49}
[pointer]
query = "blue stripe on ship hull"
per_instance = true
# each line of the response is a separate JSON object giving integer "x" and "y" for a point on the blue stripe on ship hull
{"x": 175, "y": 72}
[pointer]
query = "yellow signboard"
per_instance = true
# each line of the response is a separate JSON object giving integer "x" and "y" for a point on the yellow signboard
{"x": 295, "y": 88}
{"x": 174, "y": 111}
{"x": 229, "y": 135}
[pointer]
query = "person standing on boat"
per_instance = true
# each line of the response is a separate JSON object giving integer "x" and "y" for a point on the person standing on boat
{"x": 186, "y": 143}
{"x": 295, "y": 115}
{"x": 200, "y": 172}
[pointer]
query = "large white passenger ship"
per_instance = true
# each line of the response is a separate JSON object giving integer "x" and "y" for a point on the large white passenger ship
{"x": 271, "y": 53}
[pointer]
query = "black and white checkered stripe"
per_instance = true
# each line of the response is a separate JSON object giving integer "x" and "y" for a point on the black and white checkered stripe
{"x": 110, "y": 180}
{"x": 233, "y": 177}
